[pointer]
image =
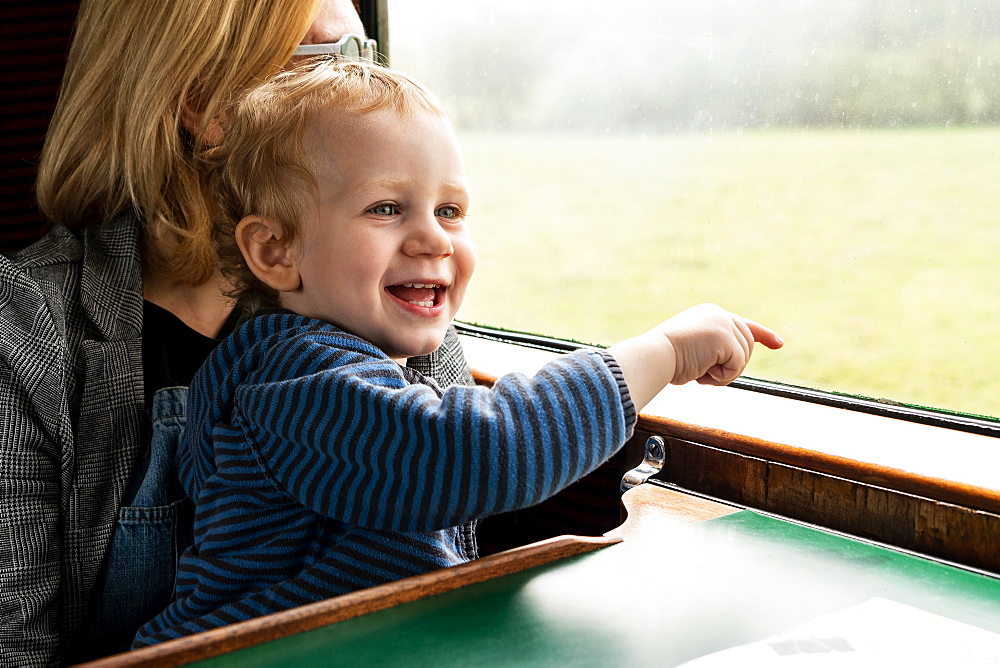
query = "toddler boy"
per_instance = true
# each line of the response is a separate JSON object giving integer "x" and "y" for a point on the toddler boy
{"x": 319, "y": 464}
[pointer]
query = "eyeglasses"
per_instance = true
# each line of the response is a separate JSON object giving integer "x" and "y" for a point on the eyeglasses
{"x": 349, "y": 47}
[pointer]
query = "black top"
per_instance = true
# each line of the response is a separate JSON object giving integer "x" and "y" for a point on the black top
{"x": 171, "y": 351}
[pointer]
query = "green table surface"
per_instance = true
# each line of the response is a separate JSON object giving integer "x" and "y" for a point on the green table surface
{"x": 678, "y": 593}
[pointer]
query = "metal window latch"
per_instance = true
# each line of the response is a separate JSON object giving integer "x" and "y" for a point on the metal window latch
{"x": 651, "y": 464}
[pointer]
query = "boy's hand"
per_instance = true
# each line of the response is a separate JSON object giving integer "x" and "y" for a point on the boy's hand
{"x": 712, "y": 345}
{"x": 704, "y": 343}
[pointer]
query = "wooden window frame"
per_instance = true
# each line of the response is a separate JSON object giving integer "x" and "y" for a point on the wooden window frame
{"x": 909, "y": 478}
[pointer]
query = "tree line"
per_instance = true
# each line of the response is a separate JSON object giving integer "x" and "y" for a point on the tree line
{"x": 679, "y": 66}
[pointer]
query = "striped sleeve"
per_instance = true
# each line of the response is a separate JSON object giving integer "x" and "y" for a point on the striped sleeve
{"x": 354, "y": 441}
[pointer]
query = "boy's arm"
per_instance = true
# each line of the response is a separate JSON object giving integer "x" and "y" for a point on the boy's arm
{"x": 351, "y": 446}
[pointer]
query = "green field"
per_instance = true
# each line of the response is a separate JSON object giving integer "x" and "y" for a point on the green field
{"x": 874, "y": 253}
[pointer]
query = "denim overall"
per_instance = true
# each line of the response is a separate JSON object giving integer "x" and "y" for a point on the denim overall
{"x": 155, "y": 524}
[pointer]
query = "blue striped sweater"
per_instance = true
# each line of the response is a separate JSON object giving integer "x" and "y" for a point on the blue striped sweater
{"x": 319, "y": 466}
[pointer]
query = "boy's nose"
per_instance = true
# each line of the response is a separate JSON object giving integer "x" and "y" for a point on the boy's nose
{"x": 427, "y": 237}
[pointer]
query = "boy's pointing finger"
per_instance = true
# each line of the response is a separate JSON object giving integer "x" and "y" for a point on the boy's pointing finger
{"x": 764, "y": 335}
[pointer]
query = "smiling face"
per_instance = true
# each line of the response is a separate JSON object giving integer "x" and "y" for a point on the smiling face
{"x": 385, "y": 253}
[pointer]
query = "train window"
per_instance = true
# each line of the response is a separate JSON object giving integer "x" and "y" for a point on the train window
{"x": 829, "y": 169}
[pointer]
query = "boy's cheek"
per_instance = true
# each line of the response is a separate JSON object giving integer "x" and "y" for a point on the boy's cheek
{"x": 469, "y": 257}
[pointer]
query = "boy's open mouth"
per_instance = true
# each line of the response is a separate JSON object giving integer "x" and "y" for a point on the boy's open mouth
{"x": 418, "y": 294}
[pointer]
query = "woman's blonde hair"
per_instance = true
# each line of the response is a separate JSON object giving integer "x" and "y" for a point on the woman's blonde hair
{"x": 117, "y": 140}
{"x": 261, "y": 167}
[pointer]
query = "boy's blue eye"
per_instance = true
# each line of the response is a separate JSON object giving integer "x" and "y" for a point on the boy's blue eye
{"x": 448, "y": 212}
{"x": 384, "y": 209}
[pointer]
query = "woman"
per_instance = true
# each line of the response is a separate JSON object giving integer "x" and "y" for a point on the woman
{"x": 104, "y": 320}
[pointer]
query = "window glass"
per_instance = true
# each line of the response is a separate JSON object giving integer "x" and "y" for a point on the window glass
{"x": 830, "y": 169}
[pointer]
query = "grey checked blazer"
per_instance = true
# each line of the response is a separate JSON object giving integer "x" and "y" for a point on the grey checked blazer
{"x": 72, "y": 424}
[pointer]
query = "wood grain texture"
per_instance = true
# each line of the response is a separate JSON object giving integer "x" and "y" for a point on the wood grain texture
{"x": 930, "y": 526}
{"x": 883, "y": 476}
{"x": 271, "y": 627}
{"x": 647, "y": 507}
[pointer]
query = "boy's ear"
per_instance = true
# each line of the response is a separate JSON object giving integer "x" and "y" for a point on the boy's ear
{"x": 267, "y": 254}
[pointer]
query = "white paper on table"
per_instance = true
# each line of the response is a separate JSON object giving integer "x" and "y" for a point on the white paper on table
{"x": 878, "y": 632}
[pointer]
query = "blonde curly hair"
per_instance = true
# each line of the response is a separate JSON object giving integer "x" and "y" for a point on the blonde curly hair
{"x": 261, "y": 168}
